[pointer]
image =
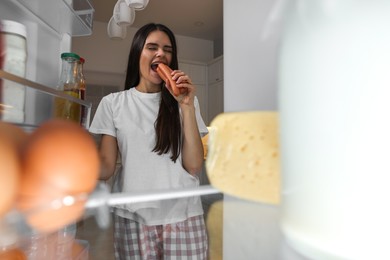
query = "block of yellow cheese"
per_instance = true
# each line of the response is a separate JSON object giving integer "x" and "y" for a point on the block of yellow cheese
{"x": 214, "y": 222}
{"x": 205, "y": 140}
{"x": 243, "y": 155}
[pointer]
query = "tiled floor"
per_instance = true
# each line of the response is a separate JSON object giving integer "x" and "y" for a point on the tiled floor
{"x": 101, "y": 240}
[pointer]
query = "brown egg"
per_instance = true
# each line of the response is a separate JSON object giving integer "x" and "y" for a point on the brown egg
{"x": 77, "y": 249}
{"x": 12, "y": 254}
{"x": 10, "y": 166}
{"x": 59, "y": 159}
{"x": 49, "y": 218}
{"x": 63, "y": 154}
{"x": 14, "y": 133}
{"x": 45, "y": 207}
{"x": 36, "y": 194}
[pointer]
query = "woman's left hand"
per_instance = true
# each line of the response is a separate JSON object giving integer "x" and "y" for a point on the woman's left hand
{"x": 184, "y": 83}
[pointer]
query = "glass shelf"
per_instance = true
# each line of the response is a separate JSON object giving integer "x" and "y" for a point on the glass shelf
{"x": 41, "y": 97}
{"x": 74, "y": 17}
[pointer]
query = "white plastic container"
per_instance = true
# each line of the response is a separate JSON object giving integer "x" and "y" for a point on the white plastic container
{"x": 14, "y": 57}
{"x": 335, "y": 130}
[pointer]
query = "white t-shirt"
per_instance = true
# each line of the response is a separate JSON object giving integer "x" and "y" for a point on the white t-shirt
{"x": 130, "y": 116}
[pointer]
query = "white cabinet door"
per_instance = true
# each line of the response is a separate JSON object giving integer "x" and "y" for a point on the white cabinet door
{"x": 201, "y": 94}
{"x": 215, "y": 71}
{"x": 197, "y": 72}
{"x": 198, "y": 75}
{"x": 215, "y": 100}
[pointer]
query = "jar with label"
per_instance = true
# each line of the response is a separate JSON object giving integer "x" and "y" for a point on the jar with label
{"x": 70, "y": 85}
{"x": 13, "y": 57}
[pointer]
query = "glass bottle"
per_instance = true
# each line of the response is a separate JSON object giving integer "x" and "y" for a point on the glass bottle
{"x": 2, "y": 50}
{"x": 70, "y": 85}
{"x": 82, "y": 89}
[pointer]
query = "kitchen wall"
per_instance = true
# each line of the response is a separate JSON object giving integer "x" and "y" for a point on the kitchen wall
{"x": 110, "y": 57}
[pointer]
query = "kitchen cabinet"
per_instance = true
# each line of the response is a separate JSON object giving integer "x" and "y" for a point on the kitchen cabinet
{"x": 215, "y": 70}
{"x": 215, "y": 100}
{"x": 208, "y": 79}
{"x": 198, "y": 73}
{"x": 215, "y": 89}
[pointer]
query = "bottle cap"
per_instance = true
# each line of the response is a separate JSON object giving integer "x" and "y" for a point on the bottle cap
{"x": 70, "y": 55}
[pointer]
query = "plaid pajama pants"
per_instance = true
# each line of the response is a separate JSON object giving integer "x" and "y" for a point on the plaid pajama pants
{"x": 182, "y": 240}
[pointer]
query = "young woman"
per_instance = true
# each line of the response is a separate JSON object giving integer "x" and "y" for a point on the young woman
{"x": 158, "y": 137}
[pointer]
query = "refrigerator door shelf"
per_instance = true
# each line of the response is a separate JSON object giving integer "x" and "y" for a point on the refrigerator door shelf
{"x": 74, "y": 17}
{"x": 32, "y": 120}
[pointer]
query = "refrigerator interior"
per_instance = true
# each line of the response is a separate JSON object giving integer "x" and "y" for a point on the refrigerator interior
{"x": 50, "y": 25}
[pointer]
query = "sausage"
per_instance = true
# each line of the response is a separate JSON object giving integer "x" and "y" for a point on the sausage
{"x": 165, "y": 73}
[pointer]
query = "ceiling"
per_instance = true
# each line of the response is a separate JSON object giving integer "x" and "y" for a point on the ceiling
{"x": 193, "y": 18}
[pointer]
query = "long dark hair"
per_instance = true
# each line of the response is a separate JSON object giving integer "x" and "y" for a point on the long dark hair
{"x": 167, "y": 124}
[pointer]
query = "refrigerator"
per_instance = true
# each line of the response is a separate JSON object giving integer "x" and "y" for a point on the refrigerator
{"x": 50, "y": 26}
{"x": 247, "y": 230}
{"x": 241, "y": 229}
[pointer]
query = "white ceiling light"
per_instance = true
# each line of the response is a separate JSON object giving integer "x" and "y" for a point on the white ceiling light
{"x": 137, "y": 4}
{"x": 123, "y": 14}
{"x": 115, "y": 31}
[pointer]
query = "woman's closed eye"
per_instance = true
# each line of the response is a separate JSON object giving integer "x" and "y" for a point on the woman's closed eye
{"x": 155, "y": 47}
{"x": 168, "y": 49}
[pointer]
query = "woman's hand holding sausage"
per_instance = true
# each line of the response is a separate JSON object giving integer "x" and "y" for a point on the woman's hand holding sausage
{"x": 184, "y": 84}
